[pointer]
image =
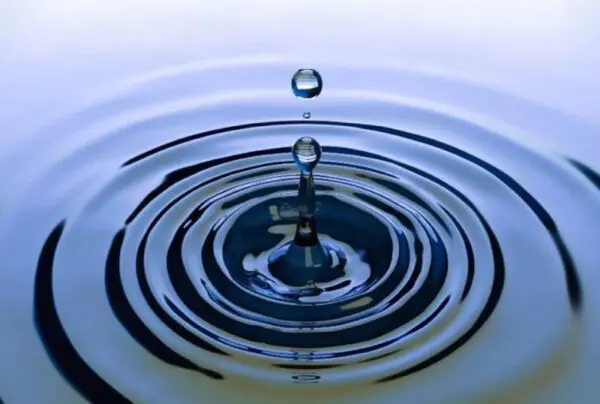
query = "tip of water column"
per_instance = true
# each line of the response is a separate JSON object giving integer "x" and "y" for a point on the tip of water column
{"x": 307, "y": 153}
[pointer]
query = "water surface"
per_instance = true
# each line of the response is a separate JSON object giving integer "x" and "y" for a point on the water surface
{"x": 478, "y": 156}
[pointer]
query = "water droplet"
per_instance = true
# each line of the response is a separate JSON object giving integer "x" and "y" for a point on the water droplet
{"x": 307, "y": 153}
{"x": 306, "y": 115}
{"x": 307, "y": 83}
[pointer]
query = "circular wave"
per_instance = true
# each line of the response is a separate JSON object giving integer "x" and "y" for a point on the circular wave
{"x": 151, "y": 242}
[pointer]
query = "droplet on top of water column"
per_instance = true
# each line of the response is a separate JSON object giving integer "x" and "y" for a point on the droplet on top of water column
{"x": 307, "y": 153}
{"x": 307, "y": 83}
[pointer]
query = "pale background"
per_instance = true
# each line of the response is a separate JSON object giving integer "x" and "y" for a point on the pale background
{"x": 53, "y": 52}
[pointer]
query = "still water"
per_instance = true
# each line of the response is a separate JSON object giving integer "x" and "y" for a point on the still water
{"x": 162, "y": 243}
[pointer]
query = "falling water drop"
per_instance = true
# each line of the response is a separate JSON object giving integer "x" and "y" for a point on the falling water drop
{"x": 307, "y": 83}
{"x": 306, "y": 115}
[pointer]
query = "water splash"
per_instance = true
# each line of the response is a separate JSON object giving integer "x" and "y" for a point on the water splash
{"x": 305, "y": 261}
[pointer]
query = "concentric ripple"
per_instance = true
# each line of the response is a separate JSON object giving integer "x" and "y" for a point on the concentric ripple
{"x": 151, "y": 243}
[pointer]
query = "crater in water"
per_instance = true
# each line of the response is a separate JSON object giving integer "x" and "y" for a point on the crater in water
{"x": 193, "y": 244}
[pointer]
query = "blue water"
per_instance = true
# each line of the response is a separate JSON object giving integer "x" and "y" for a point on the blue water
{"x": 147, "y": 176}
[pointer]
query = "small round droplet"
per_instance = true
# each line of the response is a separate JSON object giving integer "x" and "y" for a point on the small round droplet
{"x": 306, "y": 115}
{"x": 307, "y": 83}
{"x": 307, "y": 153}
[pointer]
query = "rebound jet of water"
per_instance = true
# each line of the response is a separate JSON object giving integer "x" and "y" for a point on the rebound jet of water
{"x": 306, "y": 153}
{"x": 306, "y": 261}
